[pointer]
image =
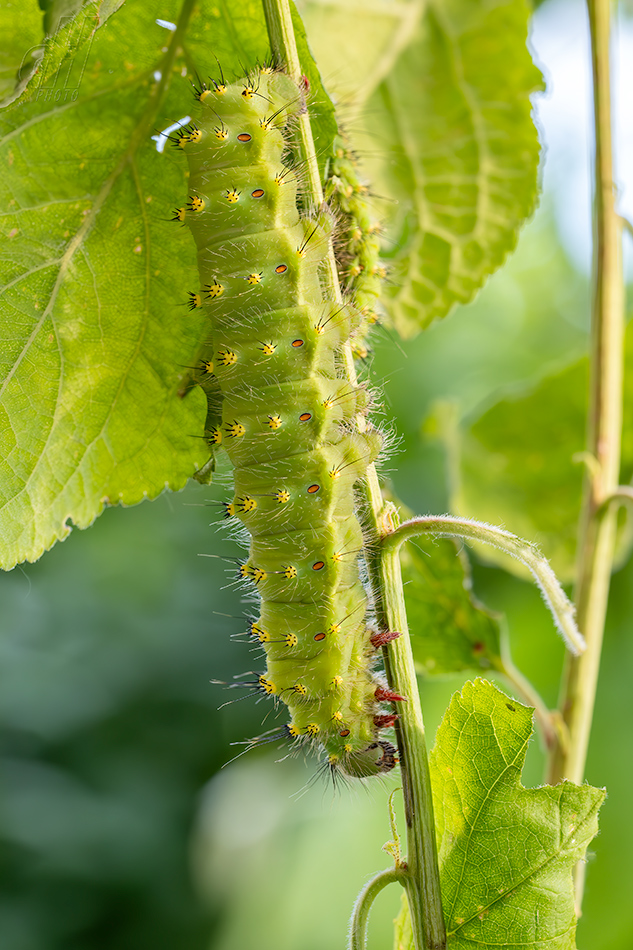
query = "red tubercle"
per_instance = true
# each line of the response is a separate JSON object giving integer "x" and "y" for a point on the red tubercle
{"x": 386, "y": 636}
{"x": 385, "y": 721}
{"x": 384, "y": 695}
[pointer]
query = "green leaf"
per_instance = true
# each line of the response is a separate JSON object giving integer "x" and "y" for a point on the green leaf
{"x": 450, "y": 630}
{"x": 94, "y": 338}
{"x": 460, "y": 153}
{"x": 517, "y": 465}
{"x": 21, "y": 37}
{"x": 40, "y": 75}
{"x": 506, "y": 852}
{"x": 356, "y": 44}
{"x": 322, "y": 115}
{"x": 96, "y": 335}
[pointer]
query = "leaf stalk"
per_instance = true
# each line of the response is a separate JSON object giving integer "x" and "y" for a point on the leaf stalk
{"x": 446, "y": 526}
{"x": 360, "y": 914}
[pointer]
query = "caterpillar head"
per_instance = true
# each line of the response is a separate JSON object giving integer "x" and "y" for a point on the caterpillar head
{"x": 377, "y": 758}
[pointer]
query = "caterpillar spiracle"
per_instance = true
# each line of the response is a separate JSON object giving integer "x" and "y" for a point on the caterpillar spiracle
{"x": 288, "y": 417}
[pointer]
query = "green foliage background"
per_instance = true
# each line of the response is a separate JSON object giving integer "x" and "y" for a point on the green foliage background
{"x": 118, "y": 829}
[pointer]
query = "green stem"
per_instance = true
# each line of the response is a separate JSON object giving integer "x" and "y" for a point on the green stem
{"x": 597, "y": 529}
{"x": 360, "y": 914}
{"x": 621, "y": 495}
{"x": 422, "y": 878}
{"x": 445, "y": 526}
{"x": 422, "y": 882}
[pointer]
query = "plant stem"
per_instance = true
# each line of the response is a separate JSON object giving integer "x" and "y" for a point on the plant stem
{"x": 623, "y": 493}
{"x": 421, "y": 878}
{"x": 360, "y": 914}
{"x": 597, "y": 528}
{"x": 446, "y": 526}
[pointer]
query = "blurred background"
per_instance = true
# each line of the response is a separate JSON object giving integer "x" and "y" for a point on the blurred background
{"x": 120, "y": 827}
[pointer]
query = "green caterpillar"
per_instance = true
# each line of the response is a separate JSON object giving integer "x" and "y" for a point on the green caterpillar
{"x": 288, "y": 418}
{"x": 358, "y": 255}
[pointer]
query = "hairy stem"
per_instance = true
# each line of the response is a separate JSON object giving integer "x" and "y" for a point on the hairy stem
{"x": 360, "y": 914}
{"x": 421, "y": 878}
{"x": 598, "y": 520}
{"x": 445, "y": 526}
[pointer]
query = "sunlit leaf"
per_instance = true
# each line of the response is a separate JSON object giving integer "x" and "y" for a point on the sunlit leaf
{"x": 506, "y": 852}
{"x": 459, "y": 153}
{"x": 353, "y": 69}
{"x": 67, "y": 45}
{"x": 21, "y": 37}
{"x": 96, "y": 334}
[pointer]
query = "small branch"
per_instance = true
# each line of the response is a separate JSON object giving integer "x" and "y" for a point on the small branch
{"x": 560, "y": 606}
{"x": 623, "y": 494}
{"x": 360, "y": 914}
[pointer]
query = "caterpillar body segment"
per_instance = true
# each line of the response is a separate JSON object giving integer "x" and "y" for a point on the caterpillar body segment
{"x": 358, "y": 253}
{"x": 288, "y": 417}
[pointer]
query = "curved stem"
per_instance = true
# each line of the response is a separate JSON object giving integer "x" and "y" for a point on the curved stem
{"x": 622, "y": 494}
{"x": 360, "y": 914}
{"x": 445, "y": 526}
{"x": 423, "y": 876}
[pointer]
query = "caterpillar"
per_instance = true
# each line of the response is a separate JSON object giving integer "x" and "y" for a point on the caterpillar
{"x": 358, "y": 256}
{"x": 287, "y": 418}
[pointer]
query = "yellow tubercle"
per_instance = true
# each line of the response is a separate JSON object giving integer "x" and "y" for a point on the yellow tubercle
{"x": 268, "y": 686}
{"x": 214, "y": 290}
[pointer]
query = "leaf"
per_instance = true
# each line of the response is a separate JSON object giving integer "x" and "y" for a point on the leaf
{"x": 96, "y": 336}
{"x": 21, "y": 36}
{"x": 450, "y": 630}
{"x": 94, "y": 341}
{"x": 452, "y": 120}
{"x": 517, "y": 465}
{"x": 356, "y": 44}
{"x": 506, "y": 852}
{"x": 40, "y": 77}
{"x": 322, "y": 115}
